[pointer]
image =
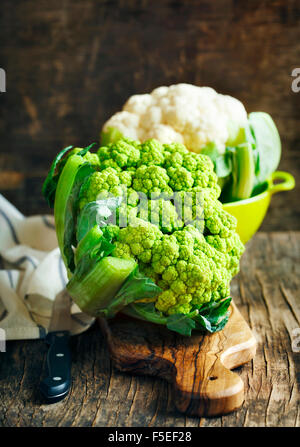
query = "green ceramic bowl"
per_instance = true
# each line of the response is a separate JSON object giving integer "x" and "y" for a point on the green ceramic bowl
{"x": 251, "y": 212}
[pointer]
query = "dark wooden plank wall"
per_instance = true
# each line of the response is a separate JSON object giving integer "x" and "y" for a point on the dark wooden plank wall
{"x": 71, "y": 64}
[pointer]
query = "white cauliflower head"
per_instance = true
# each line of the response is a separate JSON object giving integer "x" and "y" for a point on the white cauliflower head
{"x": 181, "y": 113}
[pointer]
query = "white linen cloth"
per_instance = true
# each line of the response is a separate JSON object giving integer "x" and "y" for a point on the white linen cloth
{"x": 32, "y": 272}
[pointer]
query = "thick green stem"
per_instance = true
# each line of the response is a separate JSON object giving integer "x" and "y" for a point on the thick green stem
{"x": 88, "y": 242}
{"x": 96, "y": 289}
{"x": 243, "y": 175}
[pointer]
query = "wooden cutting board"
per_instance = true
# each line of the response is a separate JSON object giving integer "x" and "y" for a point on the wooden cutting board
{"x": 198, "y": 366}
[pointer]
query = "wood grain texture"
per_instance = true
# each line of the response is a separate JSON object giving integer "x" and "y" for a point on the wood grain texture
{"x": 266, "y": 292}
{"x": 197, "y": 366}
{"x": 70, "y": 65}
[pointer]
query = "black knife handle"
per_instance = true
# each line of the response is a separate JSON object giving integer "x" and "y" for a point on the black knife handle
{"x": 57, "y": 383}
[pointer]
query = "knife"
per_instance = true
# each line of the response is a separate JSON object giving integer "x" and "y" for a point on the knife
{"x": 57, "y": 383}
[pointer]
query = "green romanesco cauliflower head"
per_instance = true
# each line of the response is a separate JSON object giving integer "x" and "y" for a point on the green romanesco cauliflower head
{"x": 180, "y": 236}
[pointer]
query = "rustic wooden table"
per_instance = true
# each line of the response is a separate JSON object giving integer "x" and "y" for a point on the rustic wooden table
{"x": 267, "y": 293}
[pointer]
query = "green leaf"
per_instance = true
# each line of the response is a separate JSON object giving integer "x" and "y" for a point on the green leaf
{"x": 183, "y": 324}
{"x": 213, "y": 316}
{"x": 69, "y": 239}
{"x": 83, "y": 152}
{"x": 146, "y": 312}
{"x": 65, "y": 203}
{"x": 136, "y": 286}
{"x": 211, "y": 150}
{"x": 210, "y": 317}
{"x": 50, "y": 184}
{"x": 87, "y": 261}
{"x": 222, "y": 162}
{"x": 223, "y": 165}
{"x": 216, "y": 308}
{"x": 268, "y": 144}
{"x": 204, "y": 324}
{"x": 239, "y": 133}
{"x": 89, "y": 242}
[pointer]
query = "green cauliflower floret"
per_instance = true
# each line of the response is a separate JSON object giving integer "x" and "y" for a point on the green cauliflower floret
{"x": 125, "y": 178}
{"x": 139, "y": 237}
{"x": 164, "y": 253}
{"x": 202, "y": 169}
{"x": 199, "y": 166}
{"x": 122, "y": 250}
{"x": 185, "y": 278}
{"x": 231, "y": 244}
{"x": 189, "y": 207}
{"x": 173, "y": 160}
{"x": 220, "y": 222}
{"x": 175, "y": 148}
{"x": 89, "y": 156}
{"x": 209, "y": 202}
{"x": 165, "y": 300}
{"x": 181, "y": 308}
{"x": 122, "y": 154}
{"x": 185, "y": 241}
{"x": 152, "y": 181}
{"x": 151, "y": 153}
{"x": 161, "y": 213}
{"x": 100, "y": 185}
{"x": 111, "y": 232}
{"x": 180, "y": 179}
{"x": 132, "y": 197}
{"x": 126, "y": 214}
{"x": 170, "y": 303}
